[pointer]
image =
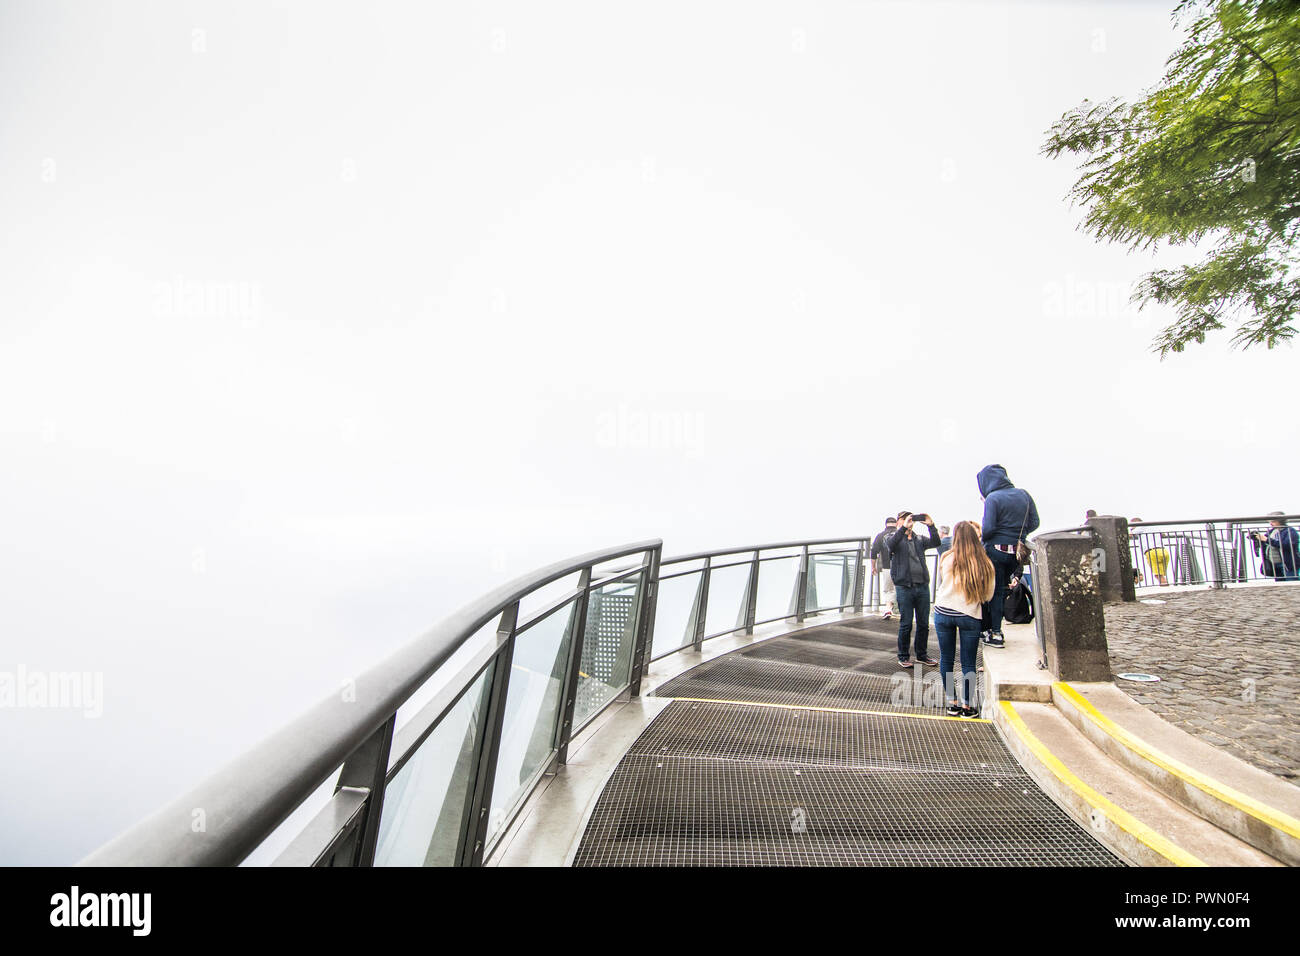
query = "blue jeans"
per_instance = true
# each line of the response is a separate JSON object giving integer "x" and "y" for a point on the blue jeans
{"x": 1004, "y": 565}
{"x": 946, "y": 627}
{"x": 913, "y": 598}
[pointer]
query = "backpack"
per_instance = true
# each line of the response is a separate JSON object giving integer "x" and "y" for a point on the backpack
{"x": 1019, "y": 606}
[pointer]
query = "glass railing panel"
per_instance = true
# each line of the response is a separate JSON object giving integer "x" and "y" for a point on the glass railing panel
{"x": 533, "y": 698}
{"x": 541, "y": 598}
{"x": 278, "y": 840}
{"x": 426, "y": 801}
{"x": 451, "y": 670}
{"x": 727, "y": 585}
{"x": 673, "y": 613}
{"x": 608, "y": 639}
{"x": 828, "y": 578}
{"x": 776, "y": 580}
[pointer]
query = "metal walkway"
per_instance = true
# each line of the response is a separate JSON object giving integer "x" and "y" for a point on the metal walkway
{"x": 816, "y": 749}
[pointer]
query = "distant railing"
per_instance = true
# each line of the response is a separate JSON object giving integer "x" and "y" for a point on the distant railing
{"x": 707, "y": 595}
{"x": 434, "y": 751}
{"x": 1213, "y": 552}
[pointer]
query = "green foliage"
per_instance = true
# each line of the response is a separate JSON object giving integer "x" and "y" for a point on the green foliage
{"x": 1213, "y": 153}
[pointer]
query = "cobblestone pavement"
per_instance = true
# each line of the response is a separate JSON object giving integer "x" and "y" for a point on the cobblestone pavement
{"x": 1228, "y": 663}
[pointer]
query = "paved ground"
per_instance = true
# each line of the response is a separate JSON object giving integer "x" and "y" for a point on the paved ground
{"x": 1228, "y": 663}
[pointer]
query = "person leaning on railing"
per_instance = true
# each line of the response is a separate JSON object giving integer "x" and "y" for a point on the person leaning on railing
{"x": 1157, "y": 557}
{"x": 967, "y": 579}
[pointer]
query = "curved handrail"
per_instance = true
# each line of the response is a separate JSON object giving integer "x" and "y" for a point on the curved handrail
{"x": 244, "y": 802}
{"x": 701, "y": 555}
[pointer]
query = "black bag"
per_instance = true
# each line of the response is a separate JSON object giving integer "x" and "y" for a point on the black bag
{"x": 1019, "y": 606}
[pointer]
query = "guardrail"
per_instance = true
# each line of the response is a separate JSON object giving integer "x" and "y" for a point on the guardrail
{"x": 435, "y": 750}
{"x": 1212, "y": 552}
{"x": 706, "y": 595}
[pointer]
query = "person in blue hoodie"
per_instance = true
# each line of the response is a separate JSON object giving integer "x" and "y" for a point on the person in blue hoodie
{"x": 1009, "y": 515}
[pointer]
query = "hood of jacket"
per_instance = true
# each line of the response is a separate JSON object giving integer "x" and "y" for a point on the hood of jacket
{"x": 992, "y": 478}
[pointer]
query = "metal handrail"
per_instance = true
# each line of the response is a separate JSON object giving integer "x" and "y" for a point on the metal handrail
{"x": 1203, "y": 521}
{"x": 1219, "y": 541}
{"x": 243, "y": 803}
{"x": 700, "y": 555}
{"x": 1174, "y": 551}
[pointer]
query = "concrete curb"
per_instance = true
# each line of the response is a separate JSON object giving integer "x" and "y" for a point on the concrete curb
{"x": 1114, "y": 827}
{"x": 1248, "y": 819}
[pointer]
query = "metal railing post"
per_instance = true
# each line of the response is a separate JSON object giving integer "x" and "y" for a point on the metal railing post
{"x": 1238, "y": 572}
{"x": 485, "y": 777}
{"x": 801, "y": 587}
{"x": 858, "y": 564}
{"x": 578, "y": 622}
{"x": 645, "y": 620}
{"x": 702, "y": 603}
{"x": 367, "y": 769}
{"x": 751, "y": 595}
{"x": 1217, "y": 571}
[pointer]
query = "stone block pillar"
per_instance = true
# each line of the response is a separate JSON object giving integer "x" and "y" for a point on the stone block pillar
{"x": 1115, "y": 562}
{"x": 1070, "y": 617}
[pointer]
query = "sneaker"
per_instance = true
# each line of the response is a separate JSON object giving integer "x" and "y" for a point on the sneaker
{"x": 995, "y": 640}
{"x": 955, "y": 709}
{"x": 928, "y": 661}
{"x": 969, "y": 712}
{"x": 886, "y": 615}
{"x": 905, "y": 662}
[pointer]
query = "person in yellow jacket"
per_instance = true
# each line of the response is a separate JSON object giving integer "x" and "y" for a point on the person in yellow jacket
{"x": 1157, "y": 559}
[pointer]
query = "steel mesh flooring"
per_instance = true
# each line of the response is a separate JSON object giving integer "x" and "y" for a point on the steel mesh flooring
{"x": 735, "y": 785}
{"x": 814, "y": 738}
{"x": 837, "y": 666}
{"x": 871, "y": 654}
{"x": 719, "y": 781}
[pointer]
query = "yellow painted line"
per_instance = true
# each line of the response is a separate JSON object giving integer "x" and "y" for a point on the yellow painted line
{"x": 835, "y": 710}
{"x": 1260, "y": 811}
{"x": 1121, "y": 818}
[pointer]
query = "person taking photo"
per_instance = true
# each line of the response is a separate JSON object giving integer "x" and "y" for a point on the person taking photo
{"x": 911, "y": 579}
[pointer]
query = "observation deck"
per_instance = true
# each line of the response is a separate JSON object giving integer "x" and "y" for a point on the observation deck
{"x": 734, "y": 707}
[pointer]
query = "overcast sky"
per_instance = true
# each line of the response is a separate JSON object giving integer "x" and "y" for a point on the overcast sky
{"x": 318, "y": 321}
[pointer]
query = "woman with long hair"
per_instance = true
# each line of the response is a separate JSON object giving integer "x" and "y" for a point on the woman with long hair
{"x": 967, "y": 580}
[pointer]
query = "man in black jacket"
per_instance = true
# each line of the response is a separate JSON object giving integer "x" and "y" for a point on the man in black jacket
{"x": 911, "y": 579}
